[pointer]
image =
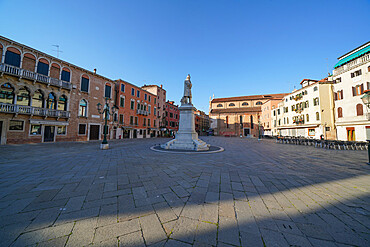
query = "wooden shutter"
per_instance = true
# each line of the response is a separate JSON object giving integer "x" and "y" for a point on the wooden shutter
{"x": 362, "y": 88}
{"x": 341, "y": 94}
{"x": 335, "y": 96}
{"x": 353, "y": 91}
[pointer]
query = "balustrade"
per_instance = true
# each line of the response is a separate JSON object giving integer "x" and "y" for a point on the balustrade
{"x": 29, "y": 110}
{"x": 9, "y": 69}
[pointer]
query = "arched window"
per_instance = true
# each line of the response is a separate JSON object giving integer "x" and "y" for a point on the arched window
{"x": 315, "y": 88}
{"x": 231, "y": 104}
{"x": 51, "y": 102}
{"x": 359, "y": 110}
{"x": 85, "y": 83}
{"x": 38, "y": 99}
{"x": 13, "y": 57}
{"x": 244, "y": 104}
{"x": 259, "y": 103}
{"x": 107, "y": 92}
{"x": 340, "y": 112}
{"x": 219, "y": 105}
{"x": 83, "y": 108}
{"x": 317, "y": 116}
{"x": 6, "y": 94}
{"x": 23, "y": 97}
{"x": 62, "y": 103}
{"x": 43, "y": 67}
{"x": 66, "y": 75}
{"x": 55, "y": 70}
{"x": 29, "y": 62}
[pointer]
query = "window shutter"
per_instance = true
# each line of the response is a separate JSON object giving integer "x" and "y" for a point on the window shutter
{"x": 368, "y": 83}
{"x": 353, "y": 91}
{"x": 341, "y": 94}
{"x": 335, "y": 96}
{"x": 362, "y": 88}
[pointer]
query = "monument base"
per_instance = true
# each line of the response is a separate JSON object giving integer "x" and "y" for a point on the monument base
{"x": 186, "y": 137}
{"x": 104, "y": 146}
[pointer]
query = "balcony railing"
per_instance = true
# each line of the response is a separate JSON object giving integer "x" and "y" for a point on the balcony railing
{"x": 353, "y": 64}
{"x": 36, "y": 111}
{"x": 12, "y": 70}
{"x": 142, "y": 112}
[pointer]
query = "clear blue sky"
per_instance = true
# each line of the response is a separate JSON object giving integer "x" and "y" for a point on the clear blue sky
{"x": 230, "y": 47}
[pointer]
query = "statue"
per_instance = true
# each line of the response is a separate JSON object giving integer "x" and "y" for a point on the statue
{"x": 186, "y": 99}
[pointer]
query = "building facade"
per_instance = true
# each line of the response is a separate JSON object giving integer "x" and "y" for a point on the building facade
{"x": 172, "y": 117}
{"x": 202, "y": 122}
{"x": 266, "y": 117}
{"x": 352, "y": 77}
{"x": 45, "y": 99}
{"x": 238, "y": 116}
{"x": 160, "y": 106}
{"x": 135, "y": 116}
{"x": 307, "y": 112}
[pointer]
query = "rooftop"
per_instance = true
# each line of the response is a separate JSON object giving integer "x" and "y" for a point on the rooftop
{"x": 250, "y": 97}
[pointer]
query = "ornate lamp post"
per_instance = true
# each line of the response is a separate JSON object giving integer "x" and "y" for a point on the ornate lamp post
{"x": 366, "y": 100}
{"x": 106, "y": 111}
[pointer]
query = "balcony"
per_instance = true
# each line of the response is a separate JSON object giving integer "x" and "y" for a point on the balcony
{"x": 142, "y": 112}
{"x": 351, "y": 65}
{"x": 22, "y": 73}
{"x": 33, "y": 111}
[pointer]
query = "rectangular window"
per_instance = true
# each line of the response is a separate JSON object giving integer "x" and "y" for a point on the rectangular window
{"x": 43, "y": 68}
{"x": 16, "y": 125}
{"x": 131, "y": 120}
{"x": 132, "y": 105}
{"x": 149, "y": 122}
{"x": 311, "y": 132}
{"x": 123, "y": 88}
{"x": 122, "y": 102}
{"x": 35, "y": 129}
{"x": 12, "y": 58}
{"x": 82, "y": 129}
{"x": 155, "y": 123}
{"x": 121, "y": 118}
{"x": 136, "y": 121}
{"x": 145, "y": 96}
{"x": 84, "y": 84}
{"x": 133, "y": 91}
{"x": 149, "y": 108}
{"x": 150, "y": 98}
{"x": 62, "y": 130}
{"x": 138, "y": 93}
{"x": 66, "y": 76}
{"x": 171, "y": 115}
{"x": 155, "y": 111}
{"x": 144, "y": 123}
{"x": 107, "y": 91}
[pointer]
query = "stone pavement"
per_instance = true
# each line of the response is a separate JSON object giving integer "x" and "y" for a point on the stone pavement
{"x": 252, "y": 194}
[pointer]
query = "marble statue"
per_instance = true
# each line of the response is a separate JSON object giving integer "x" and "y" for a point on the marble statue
{"x": 186, "y": 99}
{"x": 186, "y": 137}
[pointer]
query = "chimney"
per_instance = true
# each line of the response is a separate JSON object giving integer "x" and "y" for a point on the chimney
{"x": 161, "y": 85}
{"x": 94, "y": 71}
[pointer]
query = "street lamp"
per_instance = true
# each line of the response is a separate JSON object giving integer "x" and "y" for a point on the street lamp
{"x": 259, "y": 129}
{"x": 366, "y": 100}
{"x": 106, "y": 111}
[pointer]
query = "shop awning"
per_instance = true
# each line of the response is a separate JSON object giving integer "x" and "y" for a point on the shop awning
{"x": 353, "y": 56}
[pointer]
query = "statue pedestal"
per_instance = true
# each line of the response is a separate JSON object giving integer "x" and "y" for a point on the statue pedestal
{"x": 186, "y": 137}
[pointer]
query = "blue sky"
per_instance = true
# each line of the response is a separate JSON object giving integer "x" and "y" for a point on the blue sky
{"x": 230, "y": 48}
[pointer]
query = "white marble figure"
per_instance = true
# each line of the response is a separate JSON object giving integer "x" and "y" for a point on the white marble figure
{"x": 186, "y": 137}
{"x": 186, "y": 99}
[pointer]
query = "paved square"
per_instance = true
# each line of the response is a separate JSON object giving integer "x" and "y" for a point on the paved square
{"x": 252, "y": 194}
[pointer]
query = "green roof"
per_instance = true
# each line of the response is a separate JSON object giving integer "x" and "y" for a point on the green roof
{"x": 352, "y": 56}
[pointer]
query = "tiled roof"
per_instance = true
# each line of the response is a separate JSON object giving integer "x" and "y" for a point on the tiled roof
{"x": 250, "y": 97}
{"x": 237, "y": 110}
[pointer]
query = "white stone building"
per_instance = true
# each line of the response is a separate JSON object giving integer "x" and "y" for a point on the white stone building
{"x": 352, "y": 77}
{"x": 306, "y": 112}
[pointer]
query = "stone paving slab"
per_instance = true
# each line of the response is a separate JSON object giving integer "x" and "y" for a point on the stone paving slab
{"x": 255, "y": 193}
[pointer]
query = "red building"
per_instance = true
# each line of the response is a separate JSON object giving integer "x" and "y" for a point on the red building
{"x": 172, "y": 117}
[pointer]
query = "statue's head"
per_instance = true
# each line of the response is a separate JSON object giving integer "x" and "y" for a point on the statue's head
{"x": 188, "y": 77}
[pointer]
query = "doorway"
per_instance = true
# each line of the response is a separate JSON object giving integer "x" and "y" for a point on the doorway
{"x": 49, "y": 133}
{"x": 351, "y": 134}
{"x": 135, "y": 134}
{"x": 94, "y": 132}
{"x": 144, "y": 134}
{"x": 247, "y": 132}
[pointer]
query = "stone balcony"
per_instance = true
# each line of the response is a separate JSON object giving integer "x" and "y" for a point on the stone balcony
{"x": 142, "y": 112}
{"x": 33, "y": 111}
{"x": 22, "y": 73}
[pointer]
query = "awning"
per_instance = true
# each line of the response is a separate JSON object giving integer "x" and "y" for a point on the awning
{"x": 299, "y": 126}
{"x": 46, "y": 122}
{"x": 353, "y": 56}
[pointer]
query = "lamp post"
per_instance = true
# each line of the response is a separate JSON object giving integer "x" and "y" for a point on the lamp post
{"x": 259, "y": 129}
{"x": 106, "y": 111}
{"x": 366, "y": 100}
